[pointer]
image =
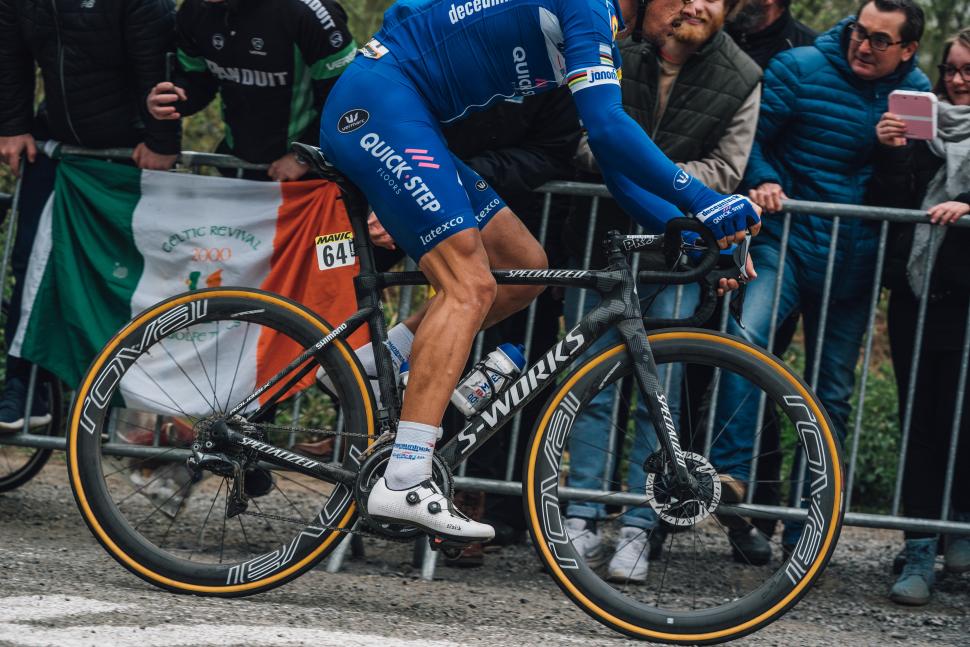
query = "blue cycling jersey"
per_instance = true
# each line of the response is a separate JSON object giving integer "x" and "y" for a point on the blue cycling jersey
{"x": 464, "y": 56}
{"x": 434, "y": 61}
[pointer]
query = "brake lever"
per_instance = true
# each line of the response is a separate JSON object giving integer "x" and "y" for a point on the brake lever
{"x": 740, "y": 258}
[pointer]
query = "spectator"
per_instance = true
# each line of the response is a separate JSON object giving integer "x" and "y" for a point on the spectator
{"x": 697, "y": 95}
{"x": 516, "y": 146}
{"x": 816, "y": 141}
{"x": 934, "y": 176}
{"x": 763, "y": 28}
{"x": 98, "y": 64}
{"x": 272, "y": 64}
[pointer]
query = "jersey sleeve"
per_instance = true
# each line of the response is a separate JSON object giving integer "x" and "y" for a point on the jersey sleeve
{"x": 589, "y": 30}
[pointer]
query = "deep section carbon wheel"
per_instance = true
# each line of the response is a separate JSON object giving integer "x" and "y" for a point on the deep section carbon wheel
{"x": 672, "y": 564}
{"x": 150, "y": 397}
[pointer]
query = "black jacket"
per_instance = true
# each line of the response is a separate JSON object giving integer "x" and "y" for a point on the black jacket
{"x": 272, "y": 62}
{"x": 900, "y": 177}
{"x": 98, "y": 58}
{"x": 784, "y": 33}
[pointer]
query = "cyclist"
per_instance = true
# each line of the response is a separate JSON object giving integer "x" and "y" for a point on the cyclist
{"x": 433, "y": 62}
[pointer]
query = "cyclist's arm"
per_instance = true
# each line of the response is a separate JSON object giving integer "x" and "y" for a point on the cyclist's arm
{"x": 620, "y": 144}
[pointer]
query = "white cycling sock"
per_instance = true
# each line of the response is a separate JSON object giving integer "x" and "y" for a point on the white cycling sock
{"x": 410, "y": 461}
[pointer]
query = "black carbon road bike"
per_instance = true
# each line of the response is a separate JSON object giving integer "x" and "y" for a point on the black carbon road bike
{"x": 239, "y": 505}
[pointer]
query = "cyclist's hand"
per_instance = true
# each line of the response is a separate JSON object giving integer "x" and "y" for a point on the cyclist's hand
{"x": 11, "y": 148}
{"x": 768, "y": 196}
{"x": 726, "y": 285}
{"x": 730, "y": 218}
{"x": 146, "y": 158}
{"x": 378, "y": 234}
{"x": 161, "y": 96}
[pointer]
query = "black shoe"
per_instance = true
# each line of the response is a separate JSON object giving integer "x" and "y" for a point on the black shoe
{"x": 13, "y": 401}
{"x": 505, "y": 534}
{"x": 748, "y": 546}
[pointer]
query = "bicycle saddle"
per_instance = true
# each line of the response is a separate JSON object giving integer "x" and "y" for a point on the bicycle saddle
{"x": 313, "y": 157}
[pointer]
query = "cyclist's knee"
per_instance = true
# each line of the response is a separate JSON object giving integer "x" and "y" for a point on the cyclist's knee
{"x": 473, "y": 291}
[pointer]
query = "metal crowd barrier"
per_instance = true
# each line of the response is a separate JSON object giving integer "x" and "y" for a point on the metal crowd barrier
{"x": 426, "y": 558}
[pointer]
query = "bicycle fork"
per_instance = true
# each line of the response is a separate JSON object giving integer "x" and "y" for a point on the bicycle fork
{"x": 645, "y": 369}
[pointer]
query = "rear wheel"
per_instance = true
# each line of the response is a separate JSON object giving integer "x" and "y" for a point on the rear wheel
{"x": 143, "y": 404}
{"x": 690, "y": 590}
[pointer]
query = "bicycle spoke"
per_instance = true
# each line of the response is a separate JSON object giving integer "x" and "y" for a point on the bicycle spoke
{"x": 190, "y": 380}
{"x": 179, "y": 409}
{"x": 205, "y": 372}
{"x": 205, "y": 521}
{"x": 235, "y": 373}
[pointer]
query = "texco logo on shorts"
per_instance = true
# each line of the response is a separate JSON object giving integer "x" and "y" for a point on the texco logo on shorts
{"x": 440, "y": 229}
{"x": 352, "y": 120}
{"x": 395, "y": 169}
{"x": 681, "y": 180}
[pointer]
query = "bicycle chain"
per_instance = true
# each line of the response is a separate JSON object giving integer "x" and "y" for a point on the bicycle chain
{"x": 322, "y": 432}
{"x": 346, "y": 531}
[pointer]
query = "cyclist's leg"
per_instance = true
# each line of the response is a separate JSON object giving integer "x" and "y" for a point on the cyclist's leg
{"x": 401, "y": 162}
{"x": 508, "y": 243}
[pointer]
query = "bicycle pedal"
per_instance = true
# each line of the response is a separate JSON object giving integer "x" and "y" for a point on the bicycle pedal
{"x": 450, "y": 547}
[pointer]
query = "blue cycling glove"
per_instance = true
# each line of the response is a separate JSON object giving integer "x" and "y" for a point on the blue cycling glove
{"x": 729, "y": 215}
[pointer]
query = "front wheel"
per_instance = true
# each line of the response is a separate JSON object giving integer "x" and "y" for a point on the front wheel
{"x": 669, "y": 567}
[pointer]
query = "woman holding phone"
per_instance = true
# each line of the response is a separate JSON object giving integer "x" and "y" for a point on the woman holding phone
{"x": 933, "y": 175}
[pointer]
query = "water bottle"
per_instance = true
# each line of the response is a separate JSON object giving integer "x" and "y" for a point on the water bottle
{"x": 488, "y": 378}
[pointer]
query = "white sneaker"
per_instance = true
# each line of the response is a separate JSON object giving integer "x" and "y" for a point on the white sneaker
{"x": 629, "y": 562}
{"x": 588, "y": 544}
{"x": 426, "y": 507}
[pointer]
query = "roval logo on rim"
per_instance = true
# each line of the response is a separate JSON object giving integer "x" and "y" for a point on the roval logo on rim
{"x": 352, "y": 120}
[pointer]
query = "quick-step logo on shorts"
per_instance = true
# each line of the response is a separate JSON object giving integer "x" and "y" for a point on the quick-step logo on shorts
{"x": 397, "y": 172}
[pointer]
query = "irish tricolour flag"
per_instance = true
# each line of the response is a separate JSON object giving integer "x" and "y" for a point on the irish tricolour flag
{"x": 114, "y": 240}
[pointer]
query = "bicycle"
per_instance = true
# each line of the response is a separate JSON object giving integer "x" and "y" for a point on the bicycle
{"x": 310, "y": 504}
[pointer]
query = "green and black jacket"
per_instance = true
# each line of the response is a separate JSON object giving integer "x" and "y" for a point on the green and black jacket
{"x": 273, "y": 63}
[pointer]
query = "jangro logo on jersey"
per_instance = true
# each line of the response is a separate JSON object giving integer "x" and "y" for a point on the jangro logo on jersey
{"x": 398, "y": 173}
{"x": 352, "y": 120}
{"x": 597, "y": 75}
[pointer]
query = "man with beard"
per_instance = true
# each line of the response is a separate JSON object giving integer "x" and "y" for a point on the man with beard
{"x": 762, "y": 28}
{"x": 697, "y": 96}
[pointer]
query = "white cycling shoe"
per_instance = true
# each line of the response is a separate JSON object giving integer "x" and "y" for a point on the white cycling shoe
{"x": 427, "y": 508}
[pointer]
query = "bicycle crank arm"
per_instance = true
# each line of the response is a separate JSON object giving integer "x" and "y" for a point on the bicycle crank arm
{"x": 283, "y": 457}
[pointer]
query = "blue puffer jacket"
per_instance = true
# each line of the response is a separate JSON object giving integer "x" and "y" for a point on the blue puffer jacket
{"x": 816, "y": 136}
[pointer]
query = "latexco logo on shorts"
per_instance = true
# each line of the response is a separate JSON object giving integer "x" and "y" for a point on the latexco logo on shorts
{"x": 397, "y": 172}
{"x": 440, "y": 229}
{"x": 352, "y": 120}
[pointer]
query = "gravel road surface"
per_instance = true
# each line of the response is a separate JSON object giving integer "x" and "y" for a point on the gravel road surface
{"x": 60, "y": 588}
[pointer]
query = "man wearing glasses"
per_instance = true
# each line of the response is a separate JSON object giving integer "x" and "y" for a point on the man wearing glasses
{"x": 815, "y": 141}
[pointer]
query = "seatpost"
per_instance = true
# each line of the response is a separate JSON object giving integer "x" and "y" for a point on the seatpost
{"x": 367, "y": 286}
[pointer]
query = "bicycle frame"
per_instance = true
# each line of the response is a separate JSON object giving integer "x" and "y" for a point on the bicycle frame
{"x": 619, "y": 306}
